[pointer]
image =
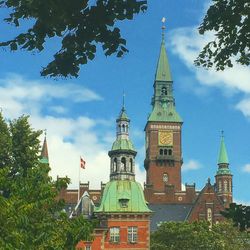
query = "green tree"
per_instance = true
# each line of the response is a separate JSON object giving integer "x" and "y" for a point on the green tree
{"x": 30, "y": 215}
{"x": 230, "y": 21}
{"x": 239, "y": 214}
{"x": 79, "y": 24}
{"x": 199, "y": 236}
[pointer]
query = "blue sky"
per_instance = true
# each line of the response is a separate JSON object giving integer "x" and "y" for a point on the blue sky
{"x": 79, "y": 114}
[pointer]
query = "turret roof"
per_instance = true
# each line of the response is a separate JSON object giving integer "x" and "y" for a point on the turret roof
{"x": 223, "y": 158}
{"x": 123, "y": 196}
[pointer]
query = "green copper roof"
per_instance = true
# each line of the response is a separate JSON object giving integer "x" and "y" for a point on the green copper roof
{"x": 123, "y": 144}
{"x": 163, "y": 69}
{"x": 44, "y": 160}
{"x": 164, "y": 114}
{"x": 123, "y": 196}
{"x": 223, "y": 171}
{"x": 223, "y": 158}
{"x": 123, "y": 115}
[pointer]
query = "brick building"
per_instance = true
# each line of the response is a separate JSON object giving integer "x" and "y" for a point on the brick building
{"x": 162, "y": 189}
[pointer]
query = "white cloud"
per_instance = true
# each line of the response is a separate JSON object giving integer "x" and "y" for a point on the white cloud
{"x": 243, "y": 202}
{"x": 244, "y": 107}
{"x": 68, "y": 138}
{"x": 191, "y": 165}
{"x": 58, "y": 109}
{"x": 19, "y": 95}
{"x": 246, "y": 168}
{"x": 187, "y": 43}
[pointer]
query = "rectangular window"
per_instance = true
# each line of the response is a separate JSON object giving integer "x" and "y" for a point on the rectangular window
{"x": 132, "y": 234}
{"x": 114, "y": 234}
{"x": 88, "y": 248}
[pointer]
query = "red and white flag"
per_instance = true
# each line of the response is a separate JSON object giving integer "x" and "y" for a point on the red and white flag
{"x": 82, "y": 163}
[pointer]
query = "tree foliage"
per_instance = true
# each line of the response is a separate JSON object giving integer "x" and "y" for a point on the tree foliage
{"x": 80, "y": 25}
{"x": 230, "y": 21}
{"x": 30, "y": 215}
{"x": 239, "y": 214}
{"x": 199, "y": 236}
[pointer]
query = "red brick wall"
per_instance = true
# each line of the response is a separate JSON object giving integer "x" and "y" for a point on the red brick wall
{"x": 157, "y": 167}
{"x": 127, "y": 221}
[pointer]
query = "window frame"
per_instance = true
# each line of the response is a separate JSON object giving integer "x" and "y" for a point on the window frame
{"x": 133, "y": 234}
{"x": 114, "y": 234}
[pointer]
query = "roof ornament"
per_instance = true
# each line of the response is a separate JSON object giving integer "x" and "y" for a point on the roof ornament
{"x": 45, "y": 133}
{"x": 163, "y": 27}
{"x": 123, "y": 100}
{"x": 222, "y": 133}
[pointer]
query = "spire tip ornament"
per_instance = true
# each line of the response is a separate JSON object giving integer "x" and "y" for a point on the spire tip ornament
{"x": 123, "y": 100}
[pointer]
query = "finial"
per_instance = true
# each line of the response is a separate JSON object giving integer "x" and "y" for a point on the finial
{"x": 123, "y": 100}
{"x": 222, "y": 133}
{"x": 45, "y": 133}
{"x": 163, "y": 20}
{"x": 208, "y": 181}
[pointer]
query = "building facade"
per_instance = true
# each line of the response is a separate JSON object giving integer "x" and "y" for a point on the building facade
{"x": 163, "y": 192}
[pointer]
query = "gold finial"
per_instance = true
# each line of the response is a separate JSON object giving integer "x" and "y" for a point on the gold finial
{"x": 163, "y": 20}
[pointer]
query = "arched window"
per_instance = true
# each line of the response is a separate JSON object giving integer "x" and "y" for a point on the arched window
{"x": 115, "y": 165}
{"x": 131, "y": 165}
{"x": 170, "y": 152}
{"x": 164, "y": 91}
{"x": 161, "y": 151}
{"x": 165, "y": 178}
{"x": 123, "y": 164}
{"x": 209, "y": 216}
{"x": 165, "y": 151}
{"x": 225, "y": 186}
{"x": 123, "y": 128}
{"x": 220, "y": 186}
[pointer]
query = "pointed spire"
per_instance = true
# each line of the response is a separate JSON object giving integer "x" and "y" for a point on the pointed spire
{"x": 163, "y": 101}
{"x": 123, "y": 115}
{"x": 223, "y": 158}
{"x": 45, "y": 152}
{"x": 163, "y": 69}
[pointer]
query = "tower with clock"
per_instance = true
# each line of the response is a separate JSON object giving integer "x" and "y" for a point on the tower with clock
{"x": 163, "y": 132}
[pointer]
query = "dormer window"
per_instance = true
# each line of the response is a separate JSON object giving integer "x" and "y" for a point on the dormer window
{"x": 123, "y": 202}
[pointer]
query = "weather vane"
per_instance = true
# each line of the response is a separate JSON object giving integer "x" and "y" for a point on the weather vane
{"x": 222, "y": 133}
{"x": 123, "y": 100}
{"x": 163, "y": 20}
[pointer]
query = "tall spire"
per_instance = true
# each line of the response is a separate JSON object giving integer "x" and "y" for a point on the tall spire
{"x": 163, "y": 69}
{"x": 223, "y": 158}
{"x": 45, "y": 153}
{"x": 163, "y": 101}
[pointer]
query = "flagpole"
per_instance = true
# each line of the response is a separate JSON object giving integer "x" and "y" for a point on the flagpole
{"x": 79, "y": 180}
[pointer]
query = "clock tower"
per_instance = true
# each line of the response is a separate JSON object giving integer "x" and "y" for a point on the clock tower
{"x": 163, "y": 132}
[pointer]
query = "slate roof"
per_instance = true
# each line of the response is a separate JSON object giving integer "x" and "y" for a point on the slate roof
{"x": 168, "y": 212}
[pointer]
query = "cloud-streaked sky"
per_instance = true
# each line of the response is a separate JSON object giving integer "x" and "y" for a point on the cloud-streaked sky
{"x": 79, "y": 114}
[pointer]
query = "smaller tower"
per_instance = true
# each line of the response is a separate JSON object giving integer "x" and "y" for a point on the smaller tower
{"x": 44, "y": 158}
{"x": 122, "y": 155}
{"x": 223, "y": 175}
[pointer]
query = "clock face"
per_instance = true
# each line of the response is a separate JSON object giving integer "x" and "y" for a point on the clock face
{"x": 165, "y": 138}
